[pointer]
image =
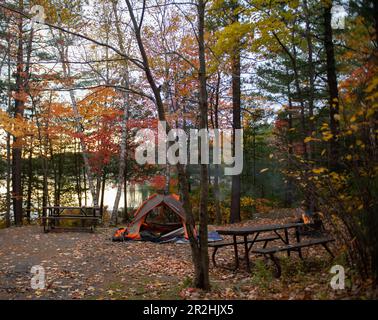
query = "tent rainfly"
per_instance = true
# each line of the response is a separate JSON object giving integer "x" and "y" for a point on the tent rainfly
{"x": 132, "y": 232}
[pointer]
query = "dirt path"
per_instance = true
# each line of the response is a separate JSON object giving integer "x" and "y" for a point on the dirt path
{"x": 82, "y": 265}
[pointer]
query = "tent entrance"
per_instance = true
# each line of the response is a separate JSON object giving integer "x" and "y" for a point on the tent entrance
{"x": 161, "y": 228}
{"x": 160, "y": 221}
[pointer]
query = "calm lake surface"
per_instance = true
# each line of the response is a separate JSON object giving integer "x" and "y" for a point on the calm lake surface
{"x": 136, "y": 194}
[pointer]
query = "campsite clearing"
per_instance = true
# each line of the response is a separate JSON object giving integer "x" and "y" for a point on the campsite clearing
{"x": 81, "y": 265}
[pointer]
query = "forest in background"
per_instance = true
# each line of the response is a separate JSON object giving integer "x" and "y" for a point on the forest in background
{"x": 75, "y": 89}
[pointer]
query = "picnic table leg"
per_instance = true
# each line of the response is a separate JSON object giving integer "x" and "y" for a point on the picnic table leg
{"x": 276, "y": 263}
{"x": 253, "y": 241}
{"x": 56, "y": 222}
{"x": 298, "y": 237}
{"x": 48, "y": 225}
{"x": 236, "y": 253}
{"x": 328, "y": 249}
{"x": 246, "y": 252}
{"x": 213, "y": 256}
{"x": 287, "y": 241}
{"x": 44, "y": 219}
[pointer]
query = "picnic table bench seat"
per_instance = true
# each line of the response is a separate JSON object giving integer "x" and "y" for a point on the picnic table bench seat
{"x": 292, "y": 247}
{"x": 224, "y": 243}
{"x": 71, "y": 217}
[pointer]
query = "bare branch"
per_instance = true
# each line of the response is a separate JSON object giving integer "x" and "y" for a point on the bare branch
{"x": 135, "y": 61}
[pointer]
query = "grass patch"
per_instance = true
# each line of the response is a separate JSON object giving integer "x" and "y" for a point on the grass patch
{"x": 262, "y": 275}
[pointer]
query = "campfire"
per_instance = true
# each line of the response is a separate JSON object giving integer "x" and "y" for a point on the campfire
{"x": 306, "y": 219}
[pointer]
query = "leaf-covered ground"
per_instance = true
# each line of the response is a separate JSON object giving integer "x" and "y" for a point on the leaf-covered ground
{"x": 82, "y": 265}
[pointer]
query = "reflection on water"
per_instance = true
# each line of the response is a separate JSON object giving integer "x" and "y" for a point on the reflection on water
{"x": 136, "y": 194}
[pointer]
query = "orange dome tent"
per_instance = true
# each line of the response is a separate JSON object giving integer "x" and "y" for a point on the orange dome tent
{"x": 156, "y": 201}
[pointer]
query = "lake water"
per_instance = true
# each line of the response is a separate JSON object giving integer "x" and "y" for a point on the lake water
{"x": 136, "y": 194}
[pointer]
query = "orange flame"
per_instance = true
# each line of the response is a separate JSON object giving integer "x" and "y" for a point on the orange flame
{"x": 306, "y": 219}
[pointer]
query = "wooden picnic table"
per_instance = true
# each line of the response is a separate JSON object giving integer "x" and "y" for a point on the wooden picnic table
{"x": 56, "y": 213}
{"x": 256, "y": 231}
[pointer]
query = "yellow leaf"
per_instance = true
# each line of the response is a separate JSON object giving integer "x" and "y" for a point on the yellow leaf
{"x": 327, "y": 135}
{"x": 319, "y": 170}
{"x": 309, "y": 139}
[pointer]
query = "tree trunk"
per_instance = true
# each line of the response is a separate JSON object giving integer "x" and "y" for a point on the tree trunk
{"x": 236, "y": 125}
{"x": 78, "y": 173}
{"x": 311, "y": 78}
{"x": 290, "y": 187}
{"x": 332, "y": 89}
{"x": 103, "y": 184}
{"x": 375, "y": 11}
{"x": 202, "y": 275}
{"x": 218, "y": 212}
{"x": 30, "y": 185}
{"x": 199, "y": 251}
{"x": 43, "y": 152}
{"x": 18, "y": 112}
{"x": 125, "y": 205}
{"x": 299, "y": 96}
{"x": 53, "y": 162}
{"x": 45, "y": 192}
{"x": 236, "y": 118}
{"x": 98, "y": 187}
{"x": 9, "y": 177}
{"x": 122, "y": 162}
{"x": 122, "y": 155}
{"x": 167, "y": 177}
{"x": 254, "y": 155}
{"x": 45, "y": 196}
{"x": 59, "y": 177}
{"x": 85, "y": 186}
{"x": 8, "y": 196}
{"x": 165, "y": 89}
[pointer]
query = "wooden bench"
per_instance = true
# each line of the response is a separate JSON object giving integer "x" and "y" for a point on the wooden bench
{"x": 55, "y": 214}
{"x": 293, "y": 247}
{"x": 219, "y": 244}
